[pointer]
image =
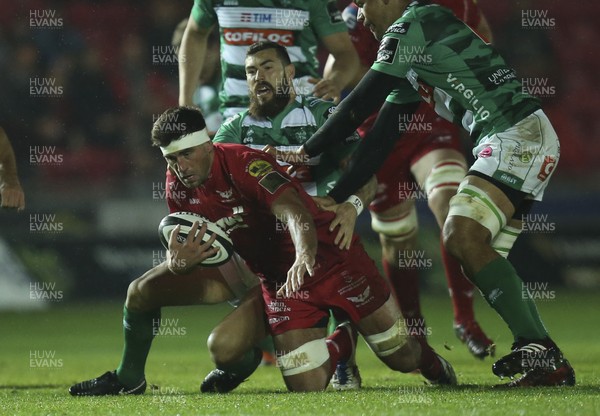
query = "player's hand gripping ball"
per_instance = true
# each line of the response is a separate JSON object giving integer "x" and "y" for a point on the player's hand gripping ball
{"x": 185, "y": 220}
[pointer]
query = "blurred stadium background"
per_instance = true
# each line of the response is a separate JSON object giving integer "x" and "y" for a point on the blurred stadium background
{"x": 82, "y": 81}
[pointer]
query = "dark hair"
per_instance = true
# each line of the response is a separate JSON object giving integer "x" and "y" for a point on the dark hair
{"x": 262, "y": 45}
{"x": 176, "y": 122}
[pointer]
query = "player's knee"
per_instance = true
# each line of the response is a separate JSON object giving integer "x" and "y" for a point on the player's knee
{"x": 304, "y": 368}
{"x": 396, "y": 233}
{"x": 473, "y": 203}
{"x": 394, "y": 348}
{"x": 223, "y": 347}
{"x": 439, "y": 203}
{"x": 441, "y": 184}
{"x": 140, "y": 294}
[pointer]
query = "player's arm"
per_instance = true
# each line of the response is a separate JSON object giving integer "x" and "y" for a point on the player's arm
{"x": 289, "y": 208}
{"x": 484, "y": 30}
{"x": 373, "y": 150}
{"x": 11, "y": 193}
{"x": 341, "y": 66}
{"x": 192, "y": 54}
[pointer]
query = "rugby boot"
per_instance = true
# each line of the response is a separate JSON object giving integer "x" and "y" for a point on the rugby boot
{"x": 562, "y": 375}
{"x": 223, "y": 381}
{"x": 346, "y": 375}
{"x": 528, "y": 355}
{"x": 471, "y": 334}
{"x": 105, "y": 385}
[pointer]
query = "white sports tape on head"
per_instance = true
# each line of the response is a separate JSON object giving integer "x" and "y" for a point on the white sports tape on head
{"x": 397, "y": 229}
{"x": 306, "y": 357}
{"x": 474, "y": 203}
{"x": 388, "y": 342}
{"x": 445, "y": 174}
{"x": 505, "y": 240}
{"x": 185, "y": 142}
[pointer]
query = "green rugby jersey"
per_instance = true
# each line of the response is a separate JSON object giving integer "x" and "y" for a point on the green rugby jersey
{"x": 440, "y": 59}
{"x": 289, "y": 130}
{"x": 295, "y": 24}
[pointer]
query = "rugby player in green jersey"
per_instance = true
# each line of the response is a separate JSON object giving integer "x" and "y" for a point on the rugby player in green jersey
{"x": 515, "y": 146}
{"x": 298, "y": 25}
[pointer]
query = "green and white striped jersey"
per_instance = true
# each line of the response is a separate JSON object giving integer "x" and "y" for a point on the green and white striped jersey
{"x": 287, "y": 131}
{"x": 437, "y": 56}
{"x": 295, "y": 24}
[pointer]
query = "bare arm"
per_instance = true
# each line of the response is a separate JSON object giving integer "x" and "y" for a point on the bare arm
{"x": 290, "y": 209}
{"x": 341, "y": 66}
{"x": 11, "y": 193}
{"x": 483, "y": 28}
{"x": 192, "y": 54}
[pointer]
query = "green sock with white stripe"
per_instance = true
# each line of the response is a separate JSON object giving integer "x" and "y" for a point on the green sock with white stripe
{"x": 503, "y": 290}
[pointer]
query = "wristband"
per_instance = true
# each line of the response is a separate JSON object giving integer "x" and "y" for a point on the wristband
{"x": 356, "y": 203}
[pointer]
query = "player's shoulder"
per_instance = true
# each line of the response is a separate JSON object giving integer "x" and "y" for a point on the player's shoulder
{"x": 321, "y": 109}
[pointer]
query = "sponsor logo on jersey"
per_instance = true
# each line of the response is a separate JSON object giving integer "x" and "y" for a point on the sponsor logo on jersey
{"x": 245, "y": 37}
{"x": 387, "y": 50}
{"x": 547, "y": 168}
{"x": 362, "y": 298}
{"x": 226, "y": 196}
{"x": 400, "y": 28}
{"x": 272, "y": 181}
{"x": 262, "y": 17}
{"x": 258, "y": 168}
{"x": 502, "y": 75}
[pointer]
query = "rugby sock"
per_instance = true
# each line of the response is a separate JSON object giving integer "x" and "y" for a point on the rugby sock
{"x": 246, "y": 365}
{"x": 139, "y": 328}
{"x": 333, "y": 323}
{"x": 339, "y": 346}
{"x": 405, "y": 284}
{"x": 461, "y": 289}
{"x": 429, "y": 365}
{"x": 503, "y": 290}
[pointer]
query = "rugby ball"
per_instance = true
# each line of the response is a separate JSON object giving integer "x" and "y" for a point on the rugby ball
{"x": 185, "y": 220}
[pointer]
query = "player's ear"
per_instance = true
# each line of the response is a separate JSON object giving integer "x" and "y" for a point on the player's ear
{"x": 290, "y": 71}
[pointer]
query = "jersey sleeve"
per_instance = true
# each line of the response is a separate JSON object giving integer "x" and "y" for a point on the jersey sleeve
{"x": 230, "y": 131}
{"x": 325, "y": 18}
{"x": 203, "y": 13}
{"x": 403, "y": 94}
{"x": 394, "y": 53}
{"x": 260, "y": 178}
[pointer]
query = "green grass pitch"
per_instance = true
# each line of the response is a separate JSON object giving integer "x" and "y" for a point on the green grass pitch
{"x": 70, "y": 343}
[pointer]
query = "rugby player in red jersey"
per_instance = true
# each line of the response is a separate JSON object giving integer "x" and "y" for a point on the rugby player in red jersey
{"x": 285, "y": 240}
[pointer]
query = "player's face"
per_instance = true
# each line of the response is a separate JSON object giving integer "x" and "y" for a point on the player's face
{"x": 193, "y": 165}
{"x": 269, "y": 82}
{"x": 372, "y": 15}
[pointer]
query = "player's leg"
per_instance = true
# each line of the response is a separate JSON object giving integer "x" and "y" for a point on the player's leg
{"x": 439, "y": 172}
{"x": 141, "y": 321}
{"x": 233, "y": 344}
{"x": 477, "y": 215}
{"x": 386, "y": 334}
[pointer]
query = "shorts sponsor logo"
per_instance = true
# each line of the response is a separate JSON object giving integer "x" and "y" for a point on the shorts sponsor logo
{"x": 362, "y": 298}
{"x": 278, "y": 306}
{"x": 485, "y": 153}
{"x": 547, "y": 167}
{"x": 387, "y": 50}
{"x": 278, "y": 319}
{"x": 245, "y": 37}
{"x": 352, "y": 284}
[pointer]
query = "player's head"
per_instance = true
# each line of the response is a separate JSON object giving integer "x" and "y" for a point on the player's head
{"x": 180, "y": 132}
{"x": 378, "y": 15}
{"x": 269, "y": 73}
